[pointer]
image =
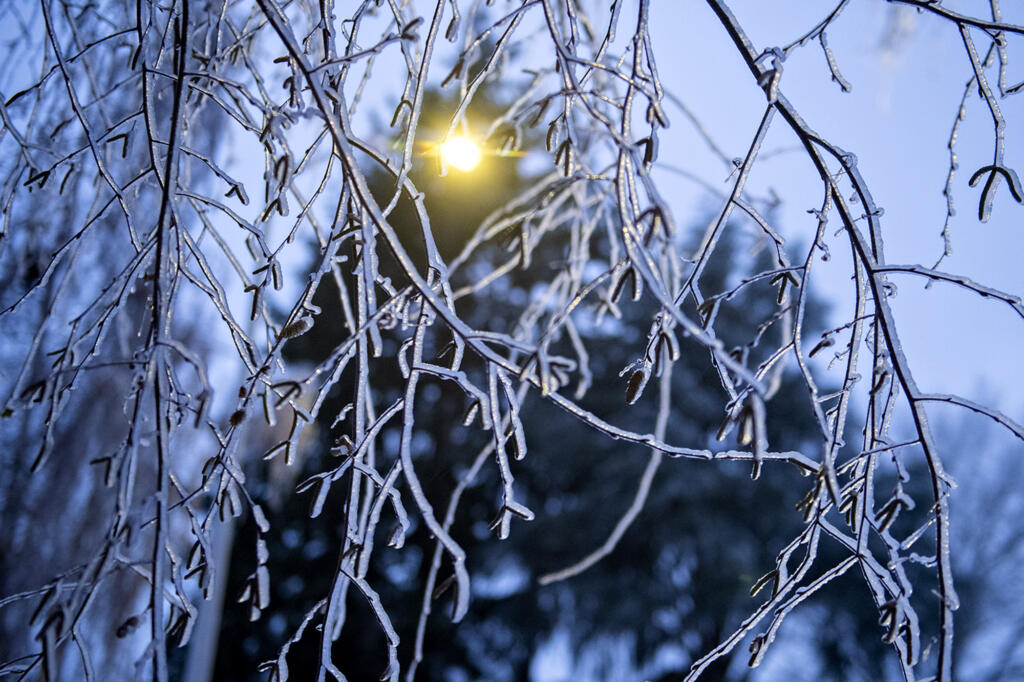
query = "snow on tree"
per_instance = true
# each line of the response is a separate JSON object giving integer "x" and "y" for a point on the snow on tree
{"x": 165, "y": 167}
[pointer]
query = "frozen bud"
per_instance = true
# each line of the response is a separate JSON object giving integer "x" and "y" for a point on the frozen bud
{"x": 297, "y": 328}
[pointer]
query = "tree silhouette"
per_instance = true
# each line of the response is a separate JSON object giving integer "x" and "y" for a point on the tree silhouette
{"x": 166, "y": 168}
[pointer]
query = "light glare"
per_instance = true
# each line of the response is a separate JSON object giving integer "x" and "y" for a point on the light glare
{"x": 461, "y": 152}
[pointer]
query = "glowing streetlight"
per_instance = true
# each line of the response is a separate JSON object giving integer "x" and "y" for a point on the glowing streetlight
{"x": 461, "y": 152}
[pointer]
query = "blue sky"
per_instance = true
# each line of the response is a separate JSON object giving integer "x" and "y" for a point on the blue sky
{"x": 908, "y": 73}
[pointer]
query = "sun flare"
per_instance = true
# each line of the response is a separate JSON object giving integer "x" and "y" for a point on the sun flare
{"x": 462, "y": 153}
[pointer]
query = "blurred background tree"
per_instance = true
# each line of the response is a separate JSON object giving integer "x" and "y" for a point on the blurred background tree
{"x": 680, "y": 577}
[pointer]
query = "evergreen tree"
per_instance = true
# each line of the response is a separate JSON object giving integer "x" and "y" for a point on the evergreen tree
{"x": 681, "y": 574}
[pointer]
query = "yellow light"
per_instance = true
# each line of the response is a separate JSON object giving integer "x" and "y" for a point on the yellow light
{"x": 461, "y": 152}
